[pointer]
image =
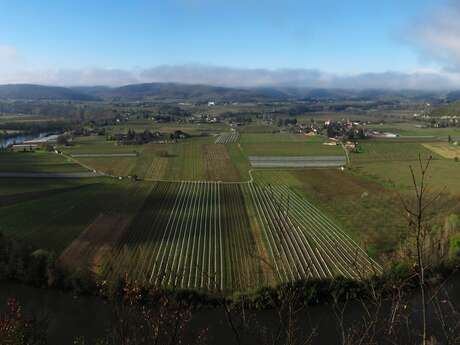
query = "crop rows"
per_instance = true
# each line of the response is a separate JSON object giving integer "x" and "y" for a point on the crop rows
{"x": 188, "y": 235}
{"x": 303, "y": 242}
{"x": 228, "y": 138}
{"x": 216, "y": 236}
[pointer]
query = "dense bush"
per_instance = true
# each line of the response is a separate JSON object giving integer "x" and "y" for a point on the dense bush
{"x": 18, "y": 329}
{"x": 21, "y": 262}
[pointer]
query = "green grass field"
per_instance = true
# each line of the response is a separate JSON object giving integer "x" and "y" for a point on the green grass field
{"x": 411, "y": 129}
{"x": 37, "y": 162}
{"x": 170, "y": 127}
{"x": 11, "y": 186}
{"x": 369, "y": 213}
{"x": 54, "y": 217}
{"x": 281, "y": 144}
{"x": 196, "y": 158}
{"x": 396, "y": 175}
{"x": 384, "y": 151}
{"x": 388, "y": 163}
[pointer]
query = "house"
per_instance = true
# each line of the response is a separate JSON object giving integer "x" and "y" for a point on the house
{"x": 350, "y": 146}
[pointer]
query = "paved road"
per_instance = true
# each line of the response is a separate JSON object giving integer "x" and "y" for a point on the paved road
{"x": 50, "y": 175}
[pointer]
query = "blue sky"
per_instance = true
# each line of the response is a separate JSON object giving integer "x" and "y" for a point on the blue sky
{"x": 331, "y": 36}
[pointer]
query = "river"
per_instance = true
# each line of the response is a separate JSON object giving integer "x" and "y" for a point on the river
{"x": 69, "y": 316}
{"x": 19, "y": 139}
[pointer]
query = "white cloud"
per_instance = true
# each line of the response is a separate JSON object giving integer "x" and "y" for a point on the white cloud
{"x": 234, "y": 77}
{"x": 397, "y": 81}
{"x": 436, "y": 34}
{"x": 14, "y": 70}
{"x": 227, "y": 76}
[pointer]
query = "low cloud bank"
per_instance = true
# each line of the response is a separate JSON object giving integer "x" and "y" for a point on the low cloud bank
{"x": 233, "y": 77}
{"x": 435, "y": 33}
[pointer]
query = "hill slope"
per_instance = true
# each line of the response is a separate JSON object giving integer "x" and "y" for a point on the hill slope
{"x": 39, "y": 92}
{"x": 171, "y": 91}
{"x": 203, "y": 93}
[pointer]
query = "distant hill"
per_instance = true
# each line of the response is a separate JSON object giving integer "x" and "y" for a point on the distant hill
{"x": 39, "y": 92}
{"x": 453, "y": 96}
{"x": 321, "y": 94}
{"x": 202, "y": 93}
{"x": 178, "y": 92}
{"x": 451, "y": 109}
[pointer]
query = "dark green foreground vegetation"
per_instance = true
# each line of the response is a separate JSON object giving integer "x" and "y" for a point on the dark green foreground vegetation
{"x": 142, "y": 313}
{"x": 21, "y": 262}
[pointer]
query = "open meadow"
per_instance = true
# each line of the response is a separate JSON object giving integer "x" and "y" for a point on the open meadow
{"x": 37, "y": 162}
{"x": 388, "y": 163}
{"x": 281, "y": 144}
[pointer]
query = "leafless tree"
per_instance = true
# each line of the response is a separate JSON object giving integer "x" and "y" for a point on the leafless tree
{"x": 139, "y": 323}
{"x": 418, "y": 220}
{"x": 288, "y": 327}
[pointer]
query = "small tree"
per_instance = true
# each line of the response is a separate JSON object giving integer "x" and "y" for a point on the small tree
{"x": 63, "y": 140}
{"x": 419, "y": 228}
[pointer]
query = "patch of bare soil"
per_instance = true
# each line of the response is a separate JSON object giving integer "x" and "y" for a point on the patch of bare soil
{"x": 94, "y": 243}
{"x": 218, "y": 164}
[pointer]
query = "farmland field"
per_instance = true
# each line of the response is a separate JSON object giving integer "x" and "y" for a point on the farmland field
{"x": 388, "y": 164}
{"x": 215, "y": 236}
{"x": 200, "y": 235}
{"x": 297, "y": 161}
{"x": 58, "y": 214}
{"x": 369, "y": 213}
{"x": 396, "y": 175}
{"x": 37, "y": 162}
{"x": 302, "y": 241}
{"x": 19, "y": 186}
{"x": 197, "y": 159}
{"x": 286, "y": 145}
{"x": 190, "y": 235}
{"x": 445, "y": 150}
{"x": 384, "y": 151}
{"x": 410, "y": 129}
{"x": 227, "y": 138}
{"x": 210, "y": 216}
{"x": 193, "y": 129}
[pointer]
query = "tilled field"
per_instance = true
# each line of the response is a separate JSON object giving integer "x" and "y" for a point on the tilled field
{"x": 302, "y": 241}
{"x": 189, "y": 235}
{"x": 228, "y": 138}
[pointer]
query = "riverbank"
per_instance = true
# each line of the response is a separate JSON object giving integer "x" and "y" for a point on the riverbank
{"x": 26, "y": 138}
{"x": 69, "y": 316}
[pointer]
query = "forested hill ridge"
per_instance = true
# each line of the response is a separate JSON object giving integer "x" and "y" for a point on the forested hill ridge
{"x": 204, "y": 93}
{"x": 451, "y": 109}
{"x": 40, "y": 92}
{"x": 182, "y": 92}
